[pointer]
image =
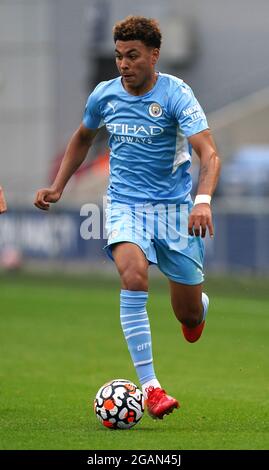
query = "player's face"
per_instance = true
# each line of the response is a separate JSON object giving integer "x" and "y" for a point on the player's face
{"x": 136, "y": 62}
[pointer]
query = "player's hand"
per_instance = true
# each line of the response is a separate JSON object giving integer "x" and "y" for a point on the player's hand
{"x": 3, "y": 205}
{"x": 45, "y": 196}
{"x": 200, "y": 220}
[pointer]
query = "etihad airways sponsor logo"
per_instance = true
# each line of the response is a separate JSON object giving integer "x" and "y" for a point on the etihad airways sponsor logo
{"x": 134, "y": 130}
{"x": 129, "y": 139}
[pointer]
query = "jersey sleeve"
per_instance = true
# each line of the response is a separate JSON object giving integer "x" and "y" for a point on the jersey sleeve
{"x": 92, "y": 118}
{"x": 187, "y": 110}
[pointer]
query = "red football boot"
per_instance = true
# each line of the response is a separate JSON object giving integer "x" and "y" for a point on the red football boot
{"x": 160, "y": 404}
{"x": 193, "y": 334}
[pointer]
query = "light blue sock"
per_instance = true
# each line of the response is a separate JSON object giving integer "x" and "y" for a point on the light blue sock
{"x": 136, "y": 329}
{"x": 205, "y": 302}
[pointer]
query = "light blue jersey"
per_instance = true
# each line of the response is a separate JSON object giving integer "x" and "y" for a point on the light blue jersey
{"x": 149, "y": 151}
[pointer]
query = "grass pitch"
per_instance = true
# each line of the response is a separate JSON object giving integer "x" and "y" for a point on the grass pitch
{"x": 61, "y": 340}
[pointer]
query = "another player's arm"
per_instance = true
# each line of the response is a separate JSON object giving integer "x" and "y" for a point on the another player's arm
{"x": 75, "y": 154}
{"x": 3, "y": 204}
{"x": 201, "y": 217}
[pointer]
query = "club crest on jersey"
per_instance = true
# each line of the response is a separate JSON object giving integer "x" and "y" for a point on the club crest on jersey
{"x": 155, "y": 110}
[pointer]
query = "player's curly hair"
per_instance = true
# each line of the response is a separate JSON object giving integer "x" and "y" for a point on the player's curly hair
{"x": 139, "y": 28}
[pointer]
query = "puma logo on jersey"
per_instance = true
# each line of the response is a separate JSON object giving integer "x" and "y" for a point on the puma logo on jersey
{"x": 112, "y": 105}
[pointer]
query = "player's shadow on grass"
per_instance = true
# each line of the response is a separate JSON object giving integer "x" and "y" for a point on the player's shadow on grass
{"x": 145, "y": 428}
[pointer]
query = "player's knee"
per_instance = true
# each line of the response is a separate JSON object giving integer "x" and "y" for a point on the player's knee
{"x": 134, "y": 279}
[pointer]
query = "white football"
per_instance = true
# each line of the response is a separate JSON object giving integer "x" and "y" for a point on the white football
{"x": 119, "y": 404}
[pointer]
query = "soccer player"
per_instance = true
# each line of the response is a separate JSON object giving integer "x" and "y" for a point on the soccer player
{"x": 3, "y": 204}
{"x": 153, "y": 120}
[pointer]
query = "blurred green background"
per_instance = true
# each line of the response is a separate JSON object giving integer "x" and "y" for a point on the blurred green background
{"x": 61, "y": 340}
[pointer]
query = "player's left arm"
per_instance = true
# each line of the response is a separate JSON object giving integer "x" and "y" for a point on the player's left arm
{"x": 201, "y": 216}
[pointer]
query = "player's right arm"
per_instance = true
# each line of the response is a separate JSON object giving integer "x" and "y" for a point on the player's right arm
{"x": 75, "y": 154}
{"x": 3, "y": 204}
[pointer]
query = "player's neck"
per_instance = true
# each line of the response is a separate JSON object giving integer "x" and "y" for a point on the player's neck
{"x": 144, "y": 88}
